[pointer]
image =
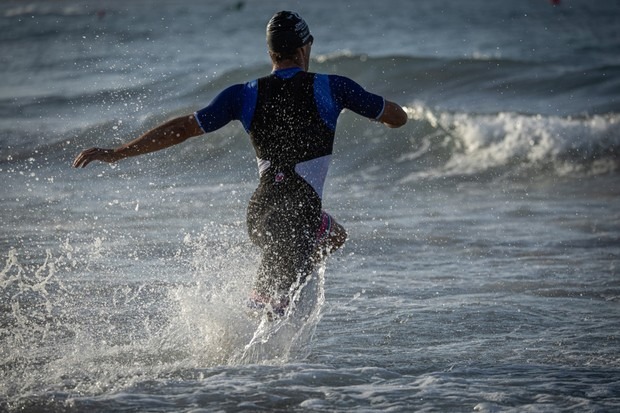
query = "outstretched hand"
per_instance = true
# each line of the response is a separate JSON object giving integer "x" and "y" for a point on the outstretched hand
{"x": 94, "y": 154}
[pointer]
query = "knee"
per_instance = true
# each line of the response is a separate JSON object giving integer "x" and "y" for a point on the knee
{"x": 337, "y": 237}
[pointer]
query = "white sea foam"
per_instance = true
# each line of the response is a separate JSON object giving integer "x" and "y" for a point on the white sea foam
{"x": 515, "y": 143}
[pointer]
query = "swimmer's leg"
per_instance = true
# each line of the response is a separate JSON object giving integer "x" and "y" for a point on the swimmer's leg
{"x": 332, "y": 236}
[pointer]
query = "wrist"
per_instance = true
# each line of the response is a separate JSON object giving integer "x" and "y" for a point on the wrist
{"x": 116, "y": 154}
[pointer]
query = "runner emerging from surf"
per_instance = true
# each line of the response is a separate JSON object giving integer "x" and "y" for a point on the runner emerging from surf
{"x": 290, "y": 117}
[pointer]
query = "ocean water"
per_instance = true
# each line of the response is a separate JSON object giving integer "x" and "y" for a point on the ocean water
{"x": 482, "y": 267}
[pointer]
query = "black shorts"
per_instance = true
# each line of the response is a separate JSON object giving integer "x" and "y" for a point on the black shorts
{"x": 284, "y": 217}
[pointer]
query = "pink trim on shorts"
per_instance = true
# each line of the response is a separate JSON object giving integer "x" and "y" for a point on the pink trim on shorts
{"x": 325, "y": 228}
{"x": 258, "y": 301}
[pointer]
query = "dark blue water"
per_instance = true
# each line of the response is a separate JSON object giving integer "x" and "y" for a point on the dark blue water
{"x": 481, "y": 273}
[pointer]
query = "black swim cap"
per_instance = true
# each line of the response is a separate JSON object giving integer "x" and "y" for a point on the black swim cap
{"x": 286, "y": 31}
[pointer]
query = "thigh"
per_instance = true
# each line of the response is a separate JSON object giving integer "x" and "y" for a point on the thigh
{"x": 285, "y": 227}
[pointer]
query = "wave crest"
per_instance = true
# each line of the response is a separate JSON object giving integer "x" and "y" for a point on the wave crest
{"x": 512, "y": 144}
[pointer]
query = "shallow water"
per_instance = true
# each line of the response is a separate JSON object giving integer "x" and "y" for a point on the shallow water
{"x": 481, "y": 271}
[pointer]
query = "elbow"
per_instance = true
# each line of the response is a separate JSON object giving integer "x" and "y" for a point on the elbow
{"x": 393, "y": 116}
{"x": 400, "y": 120}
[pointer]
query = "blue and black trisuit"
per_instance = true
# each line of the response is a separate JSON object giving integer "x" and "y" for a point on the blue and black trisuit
{"x": 291, "y": 118}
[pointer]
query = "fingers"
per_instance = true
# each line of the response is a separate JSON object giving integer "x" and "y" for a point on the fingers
{"x": 84, "y": 158}
{"x": 87, "y": 156}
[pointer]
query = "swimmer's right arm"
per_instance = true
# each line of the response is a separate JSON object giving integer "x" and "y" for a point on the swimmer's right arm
{"x": 353, "y": 96}
{"x": 163, "y": 136}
